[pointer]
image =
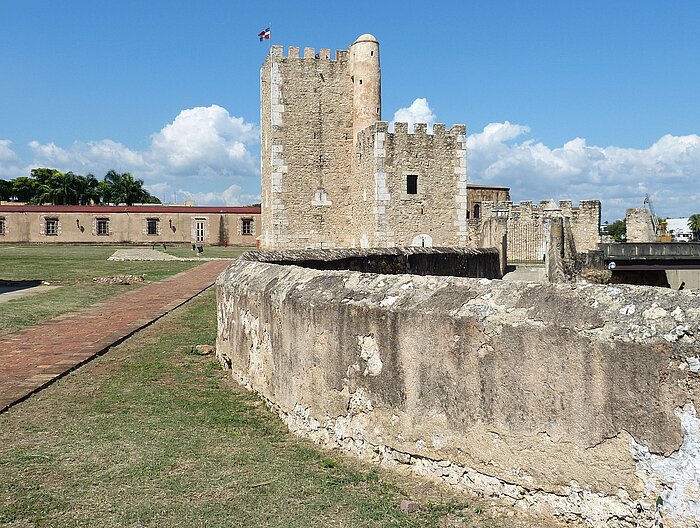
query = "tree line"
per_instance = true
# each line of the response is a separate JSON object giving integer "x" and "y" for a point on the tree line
{"x": 50, "y": 186}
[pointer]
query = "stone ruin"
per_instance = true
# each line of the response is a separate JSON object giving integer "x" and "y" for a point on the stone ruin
{"x": 576, "y": 401}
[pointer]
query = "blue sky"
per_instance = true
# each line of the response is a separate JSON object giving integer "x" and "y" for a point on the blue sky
{"x": 575, "y": 100}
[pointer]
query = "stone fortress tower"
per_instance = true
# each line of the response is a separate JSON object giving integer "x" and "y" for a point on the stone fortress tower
{"x": 332, "y": 173}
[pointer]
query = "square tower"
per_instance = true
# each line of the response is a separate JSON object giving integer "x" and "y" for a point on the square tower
{"x": 332, "y": 173}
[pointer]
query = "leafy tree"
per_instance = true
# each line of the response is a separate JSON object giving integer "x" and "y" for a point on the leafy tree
{"x": 89, "y": 191}
{"x": 617, "y": 230}
{"x": 55, "y": 187}
{"x": 43, "y": 175}
{"x": 24, "y": 188}
{"x": 5, "y": 189}
{"x": 123, "y": 188}
{"x": 694, "y": 225}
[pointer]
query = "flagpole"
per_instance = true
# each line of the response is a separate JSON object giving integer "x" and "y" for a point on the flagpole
{"x": 270, "y": 39}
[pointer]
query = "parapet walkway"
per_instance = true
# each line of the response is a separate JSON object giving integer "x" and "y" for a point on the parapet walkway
{"x": 36, "y": 356}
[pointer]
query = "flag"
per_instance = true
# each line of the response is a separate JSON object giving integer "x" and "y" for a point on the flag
{"x": 264, "y": 34}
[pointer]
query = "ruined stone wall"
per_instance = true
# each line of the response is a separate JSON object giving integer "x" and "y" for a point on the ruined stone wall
{"x": 306, "y": 130}
{"x": 436, "y": 214}
{"x": 639, "y": 225}
{"x": 527, "y": 230}
{"x": 574, "y": 401}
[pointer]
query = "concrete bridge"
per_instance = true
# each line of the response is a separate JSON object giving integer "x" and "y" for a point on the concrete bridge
{"x": 676, "y": 263}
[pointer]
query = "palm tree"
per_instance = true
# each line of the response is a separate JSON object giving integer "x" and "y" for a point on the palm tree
{"x": 123, "y": 188}
{"x": 88, "y": 190}
{"x": 694, "y": 225}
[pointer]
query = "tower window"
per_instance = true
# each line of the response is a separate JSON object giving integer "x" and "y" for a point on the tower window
{"x": 360, "y": 81}
{"x": 371, "y": 53}
{"x": 412, "y": 184}
{"x": 477, "y": 211}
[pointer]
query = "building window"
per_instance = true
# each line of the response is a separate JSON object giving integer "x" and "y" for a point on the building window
{"x": 247, "y": 226}
{"x": 2, "y": 227}
{"x": 102, "y": 225}
{"x": 152, "y": 226}
{"x": 477, "y": 211}
{"x": 52, "y": 227}
{"x": 412, "y": 184}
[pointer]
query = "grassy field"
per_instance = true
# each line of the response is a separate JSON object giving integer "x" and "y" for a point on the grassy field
{"x": 72, "y": 268}
{"x": 152, "y": 434}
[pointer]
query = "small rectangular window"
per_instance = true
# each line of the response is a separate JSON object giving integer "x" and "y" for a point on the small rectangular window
{"x": 102, "y": 225}
{"x": 247, "y": 226}
{"x": 51, "y": 226}
{"x": 412, "y": 184}
{"x": 152, "y": 226}
{"x": 2, "y": 227}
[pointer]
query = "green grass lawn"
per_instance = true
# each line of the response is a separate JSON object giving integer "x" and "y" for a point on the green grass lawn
{"x": 152, "y": 434}
{"x": 73, "y": 268}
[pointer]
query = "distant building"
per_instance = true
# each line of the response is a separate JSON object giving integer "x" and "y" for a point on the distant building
{"x": 679, "y": 230}
{"x": 478, "y": 194}
{"x": 137, "y": 224}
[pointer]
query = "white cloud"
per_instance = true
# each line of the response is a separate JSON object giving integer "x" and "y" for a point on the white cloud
{"x": 203, "y": 146}
{"x": 502, "y": 154}
{"x": 418, "y": 112}
{"x": 10, "y": 163}
{"x": 620, "y": 177}
{"x": 204, "y": 141}
{"x": 233, "y": 195}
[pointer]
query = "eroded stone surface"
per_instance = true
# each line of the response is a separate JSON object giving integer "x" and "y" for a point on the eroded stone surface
{"x": 546, "y": 396}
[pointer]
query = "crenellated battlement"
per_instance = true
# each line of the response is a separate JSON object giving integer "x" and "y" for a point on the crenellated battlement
{"x": 401, "y": 129}
{"x": 563, "y": 208}
{"x": 294, "y": 52}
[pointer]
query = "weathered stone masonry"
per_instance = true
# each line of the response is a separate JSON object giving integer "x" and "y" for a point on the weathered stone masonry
{"x": 332, "y": 173}
{"x": 577, "y": 401}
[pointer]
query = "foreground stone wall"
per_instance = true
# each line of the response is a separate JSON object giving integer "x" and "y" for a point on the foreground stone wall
{"x": 574, "y": 401}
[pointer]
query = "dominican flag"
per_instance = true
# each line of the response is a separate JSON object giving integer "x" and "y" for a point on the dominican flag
{"x": 264, "y": 34}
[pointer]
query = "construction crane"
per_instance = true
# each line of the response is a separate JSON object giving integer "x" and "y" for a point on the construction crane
{"x": 654, "y": 218}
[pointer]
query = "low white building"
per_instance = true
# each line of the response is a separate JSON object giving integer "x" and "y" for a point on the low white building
{"x": 678, "y": 228}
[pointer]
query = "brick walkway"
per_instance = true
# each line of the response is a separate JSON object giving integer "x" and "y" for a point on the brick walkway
{"x": 34, "y": 357}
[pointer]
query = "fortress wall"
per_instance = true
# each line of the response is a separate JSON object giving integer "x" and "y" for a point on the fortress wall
{"x": 306, "y": 148}
{"x": 574, "y": 401}
{"x": 438, "y": 210}
{"x": 585, "y": 224}
{"x": 527, "y": 231}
